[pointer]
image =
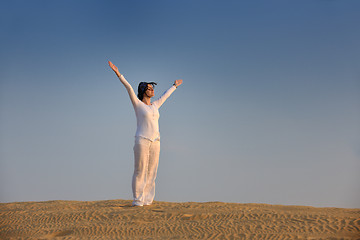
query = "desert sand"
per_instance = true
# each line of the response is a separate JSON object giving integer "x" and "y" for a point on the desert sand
{"x": 116, "y": 219}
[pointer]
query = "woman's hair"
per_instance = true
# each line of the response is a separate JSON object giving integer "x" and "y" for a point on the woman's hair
{"x": 142, "y": 89}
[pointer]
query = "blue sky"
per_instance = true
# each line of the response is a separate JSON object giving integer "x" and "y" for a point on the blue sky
{"x": 268, "y": 111}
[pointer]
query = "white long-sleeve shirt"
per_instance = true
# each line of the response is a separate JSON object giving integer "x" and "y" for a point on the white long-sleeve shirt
{"x": 147, "y": 116}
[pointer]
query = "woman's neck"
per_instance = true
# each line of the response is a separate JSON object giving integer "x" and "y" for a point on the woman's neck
{"x": 146, "y": 100}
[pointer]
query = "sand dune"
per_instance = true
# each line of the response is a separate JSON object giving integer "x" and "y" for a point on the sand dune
{"x": 116, "y": 219}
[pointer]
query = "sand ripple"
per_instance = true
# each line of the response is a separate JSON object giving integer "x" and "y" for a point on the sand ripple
{"x": 116, "y": 219}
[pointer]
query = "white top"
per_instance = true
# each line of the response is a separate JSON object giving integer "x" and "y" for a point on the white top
{"x": 147, "y": 116}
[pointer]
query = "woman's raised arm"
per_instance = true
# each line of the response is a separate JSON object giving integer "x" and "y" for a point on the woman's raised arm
{"x": 167, "y": 93}
{"x": 127, "y": 85}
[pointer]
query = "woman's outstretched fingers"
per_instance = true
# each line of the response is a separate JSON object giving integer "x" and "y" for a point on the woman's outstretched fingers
{"x": 178, "y": 82}
{"x": 114, "y": 68}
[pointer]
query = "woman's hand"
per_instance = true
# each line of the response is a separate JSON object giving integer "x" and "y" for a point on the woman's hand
{"x": 114, "y": 68}
{"x": 178, "y": 82}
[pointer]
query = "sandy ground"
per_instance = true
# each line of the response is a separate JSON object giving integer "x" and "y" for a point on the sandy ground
{"x": 116, "y": 219}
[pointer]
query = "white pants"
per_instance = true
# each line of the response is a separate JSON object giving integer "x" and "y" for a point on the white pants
{"x": 146, "y": 154}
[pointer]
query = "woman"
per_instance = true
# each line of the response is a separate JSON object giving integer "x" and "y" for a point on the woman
{"x": 147, "y": 137}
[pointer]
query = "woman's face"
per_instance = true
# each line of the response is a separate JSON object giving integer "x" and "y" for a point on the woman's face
{"x": 150, "y": 91}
